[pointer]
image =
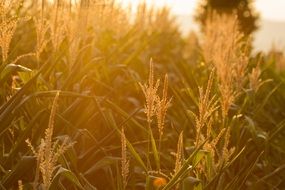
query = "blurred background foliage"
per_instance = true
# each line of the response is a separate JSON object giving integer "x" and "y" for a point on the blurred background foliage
{"x": 244, "y": 10}
{"x": 95, "y": 53}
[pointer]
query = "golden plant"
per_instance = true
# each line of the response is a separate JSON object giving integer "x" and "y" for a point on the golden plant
{"x": 147, "y": 17}
{"x": 155, "y": 106}
{"x": 254, "y": 78}
{"x": 150, "y": 93}
{"x": 77, "y": 21}
{"x": 57, "y": 24}
{"x": 42, "y": 28}
{"x": 218, "y": 148}
{"x": 125, "y": 161}
{"x": 217, "y": 144}
{"x": 220, "y": 156}
{"x": 8, "y": 24}
{"x": 216, "y": 140}
{"x": 224, "y": 49}
{"x": 240, "y": 67}
{"x": 162, "y": 105}
{"x": 179, "y": 154}
{"x": 109, "y": 15}
{"x": 226, "y": 152}
{"x": 142, "y": 13}
{"x": 48, "y": 152}
{"x": 206, "y": 106}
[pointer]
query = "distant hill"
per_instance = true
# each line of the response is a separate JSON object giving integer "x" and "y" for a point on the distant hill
{"x": 269, "y": 33}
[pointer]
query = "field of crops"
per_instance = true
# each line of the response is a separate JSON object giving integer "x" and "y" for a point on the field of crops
{"x": 95, "y": 97}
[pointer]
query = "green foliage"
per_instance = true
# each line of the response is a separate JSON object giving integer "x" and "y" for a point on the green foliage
{"x": 99, "y": 95}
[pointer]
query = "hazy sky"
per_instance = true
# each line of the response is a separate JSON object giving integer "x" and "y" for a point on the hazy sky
{"x": 269, "y": 9}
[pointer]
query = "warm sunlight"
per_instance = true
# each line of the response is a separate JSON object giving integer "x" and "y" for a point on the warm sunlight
{"x": 273, "y": 9}
{"x": 178, "y": 7}
{"x": 109, "y": 95}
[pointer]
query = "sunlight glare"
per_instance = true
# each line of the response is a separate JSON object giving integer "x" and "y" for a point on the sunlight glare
{"x": 178, "y": 7}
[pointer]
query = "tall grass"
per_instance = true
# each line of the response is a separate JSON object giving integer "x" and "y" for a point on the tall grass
{"x": 49, "y": 152}
{"x": 204, "y": 113}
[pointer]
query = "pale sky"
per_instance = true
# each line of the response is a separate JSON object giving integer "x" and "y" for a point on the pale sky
{"x": 269, "y": 9}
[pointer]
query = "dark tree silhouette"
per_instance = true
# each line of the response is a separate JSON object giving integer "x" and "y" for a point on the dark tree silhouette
{"x": 244, "y": 9}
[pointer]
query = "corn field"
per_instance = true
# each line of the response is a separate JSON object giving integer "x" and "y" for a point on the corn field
{"x": 94, "y": 96}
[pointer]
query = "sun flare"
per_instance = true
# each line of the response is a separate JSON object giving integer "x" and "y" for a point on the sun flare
{"x": 114, "y": 94}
